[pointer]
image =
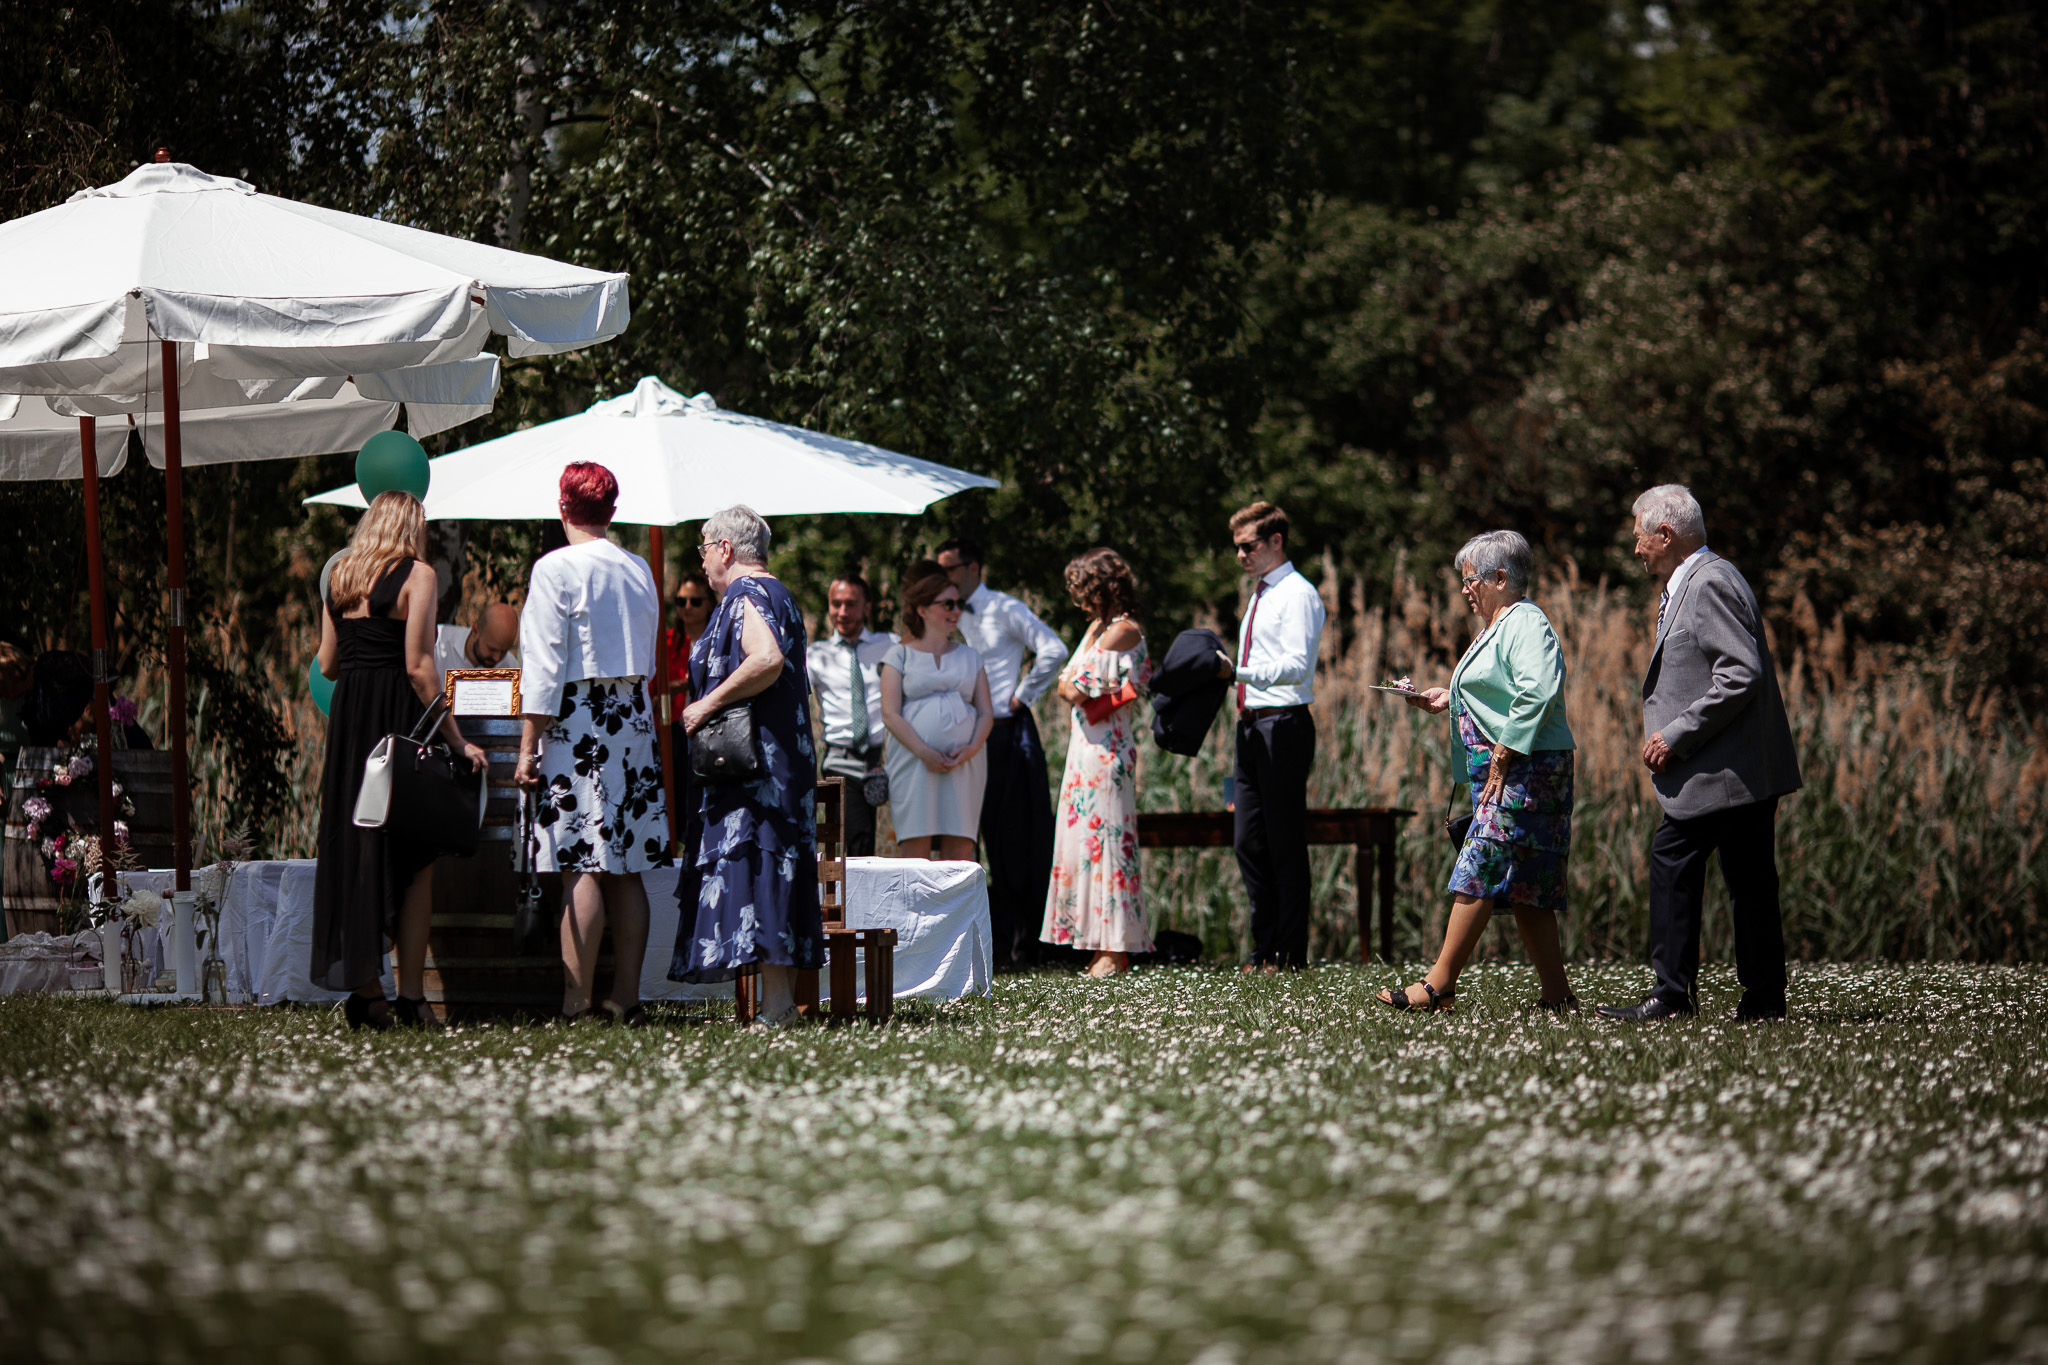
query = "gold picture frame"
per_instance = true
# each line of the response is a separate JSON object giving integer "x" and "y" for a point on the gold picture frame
{"x": 488, "y": 699}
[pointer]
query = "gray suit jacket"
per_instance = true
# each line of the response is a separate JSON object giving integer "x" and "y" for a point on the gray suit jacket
{"x": 1712, "y": 690}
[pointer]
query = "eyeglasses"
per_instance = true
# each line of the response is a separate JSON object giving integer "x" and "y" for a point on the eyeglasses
{"x": 702, "y": 546}
{"x": 947, "y": 603}
{"x": 694, "y": 601}
{"x": 1245, "y": 547}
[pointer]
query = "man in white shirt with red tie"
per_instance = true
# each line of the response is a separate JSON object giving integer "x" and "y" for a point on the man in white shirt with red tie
{"x": 1276, "y": 736}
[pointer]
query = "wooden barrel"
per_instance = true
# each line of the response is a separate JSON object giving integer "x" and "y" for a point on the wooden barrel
{"x": 473, "y": 966}
{"x": 31, "y": 898}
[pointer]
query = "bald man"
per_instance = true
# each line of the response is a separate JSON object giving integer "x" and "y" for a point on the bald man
{"x": 490, "y": 645}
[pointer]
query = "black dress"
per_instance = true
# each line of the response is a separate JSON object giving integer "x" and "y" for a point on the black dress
{"x": 363, "y": 873}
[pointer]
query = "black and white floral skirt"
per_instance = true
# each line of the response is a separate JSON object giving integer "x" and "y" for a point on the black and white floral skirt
{"x": 600, "y": 767}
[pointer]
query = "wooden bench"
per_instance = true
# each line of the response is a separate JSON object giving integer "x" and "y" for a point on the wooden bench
{"x": 877, "y": 947}
{"x": 1369, "y": 829}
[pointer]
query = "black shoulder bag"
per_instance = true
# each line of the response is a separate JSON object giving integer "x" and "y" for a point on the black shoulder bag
{"x": 724, "y": 748}
{"x": 421, "y": 788}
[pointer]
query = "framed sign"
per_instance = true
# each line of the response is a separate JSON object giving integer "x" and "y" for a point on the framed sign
{"x": 483, "y": 691}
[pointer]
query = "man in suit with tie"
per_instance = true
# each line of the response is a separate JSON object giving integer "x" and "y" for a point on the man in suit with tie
{"x": 1274, "y": 674}
{"x": 1720, "y": 748}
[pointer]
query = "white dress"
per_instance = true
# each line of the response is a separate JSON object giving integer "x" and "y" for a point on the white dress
{"x": 938, "y": 702}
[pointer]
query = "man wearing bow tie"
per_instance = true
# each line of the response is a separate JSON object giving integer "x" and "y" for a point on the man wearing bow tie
{"x": 1016, "y": 811}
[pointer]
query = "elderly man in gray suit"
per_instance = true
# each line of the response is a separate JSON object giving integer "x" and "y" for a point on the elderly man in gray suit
{"x": 1717, "y": 740}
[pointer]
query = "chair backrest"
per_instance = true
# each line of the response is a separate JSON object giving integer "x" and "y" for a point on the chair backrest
{"x": 832, "y": 851}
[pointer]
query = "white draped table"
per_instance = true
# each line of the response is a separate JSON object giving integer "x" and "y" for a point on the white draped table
{"x": 938, "y": 910}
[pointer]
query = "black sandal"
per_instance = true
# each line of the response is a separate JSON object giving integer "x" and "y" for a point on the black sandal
{"x": 635, "y": 1017}
{"x": 578, "y": 1017}
{"x": 1438, "y": 1000}
{"x": 356, "y": 1009}
{"x": 413, "y": 1013}
{"x": 1568, "y": 1005}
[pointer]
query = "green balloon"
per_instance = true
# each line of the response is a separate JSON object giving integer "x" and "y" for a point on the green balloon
{"x": 392, "y": 461}
{"x": 319, "y": 685}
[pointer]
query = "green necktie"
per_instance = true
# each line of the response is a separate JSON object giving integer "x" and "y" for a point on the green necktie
{"x": 859, "y": 684}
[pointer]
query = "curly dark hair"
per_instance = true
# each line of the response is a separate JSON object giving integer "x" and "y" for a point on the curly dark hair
{"x": 1102, "y": 584}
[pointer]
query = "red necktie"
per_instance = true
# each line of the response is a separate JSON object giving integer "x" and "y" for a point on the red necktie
{"x": 1244, "y": 652}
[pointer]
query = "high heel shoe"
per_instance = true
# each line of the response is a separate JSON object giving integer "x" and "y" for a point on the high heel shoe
{"x": 356, "y": 1009}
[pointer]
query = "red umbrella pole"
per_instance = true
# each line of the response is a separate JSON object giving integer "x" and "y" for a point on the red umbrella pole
{"x": 661, "y": 696}
{"x": 102, "y": 670}
{"x": 174, "y": 652}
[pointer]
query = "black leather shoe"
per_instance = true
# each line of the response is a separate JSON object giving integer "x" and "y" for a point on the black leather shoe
{"x": 1653, "y": 1007}
{"x": 1752, "y": 1007}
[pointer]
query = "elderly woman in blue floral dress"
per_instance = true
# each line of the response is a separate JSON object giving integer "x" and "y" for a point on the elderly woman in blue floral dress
{"x": 749, "y": 893}
{"x": 1506, "y": 701}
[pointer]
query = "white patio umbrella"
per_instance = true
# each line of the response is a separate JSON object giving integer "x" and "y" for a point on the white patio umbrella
{"x": 678, "y": 459}
{"x": 48, "y": 438}
{"x": 176, "y": 271}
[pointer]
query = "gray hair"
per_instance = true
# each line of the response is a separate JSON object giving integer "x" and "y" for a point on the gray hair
{"x": 743, "y": 526}
{"x": 1673, "y": 505}
{"x": 1505, "y": 551}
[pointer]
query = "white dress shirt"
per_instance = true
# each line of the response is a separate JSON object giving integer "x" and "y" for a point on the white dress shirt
{"x": 590, "y": 613}
{"x": 829, "y": 662}
{"x": 1286, "y": 625}
{"x": 1003, "y": 631}
{"x": 1677, "y": 579}
{"x": 449, "y": 644}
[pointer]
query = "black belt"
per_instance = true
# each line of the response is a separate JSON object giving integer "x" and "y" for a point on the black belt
{"x": 1261, "y": 712}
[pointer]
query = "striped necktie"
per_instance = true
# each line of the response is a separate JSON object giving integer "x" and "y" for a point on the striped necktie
{"x": 858, "y": 688}
{"x": 1663, "y": 601}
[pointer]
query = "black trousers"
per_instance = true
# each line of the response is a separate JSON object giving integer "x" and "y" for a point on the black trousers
{"x": 1274, "y": 754}
{"x": 1016, "y": 834}
{"x": 1744, "y": 837}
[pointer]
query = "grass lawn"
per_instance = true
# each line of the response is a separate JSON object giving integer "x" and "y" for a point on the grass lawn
{"x": 1181, "y": 1165}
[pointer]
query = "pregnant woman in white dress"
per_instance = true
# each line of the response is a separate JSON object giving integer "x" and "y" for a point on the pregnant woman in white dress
{"x": 936, "y": 706}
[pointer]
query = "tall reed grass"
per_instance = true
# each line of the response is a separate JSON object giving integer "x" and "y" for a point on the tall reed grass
{"x": 1915, "y": 836}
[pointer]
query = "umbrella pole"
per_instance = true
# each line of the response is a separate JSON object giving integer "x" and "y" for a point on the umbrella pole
{"x": 655, "y": 560}
{"x": 174, "y": 512}
{"x": 102, "y": 674}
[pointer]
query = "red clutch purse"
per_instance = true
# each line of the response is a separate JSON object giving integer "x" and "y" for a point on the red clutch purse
{"x": 1098, "y": 709}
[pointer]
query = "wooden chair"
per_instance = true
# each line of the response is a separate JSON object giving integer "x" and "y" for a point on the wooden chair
{"x": 841, "y": 943}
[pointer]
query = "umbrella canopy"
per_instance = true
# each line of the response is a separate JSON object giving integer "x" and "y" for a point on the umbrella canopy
{"x": 262, "y": 288}
{"x": 679, "y": 459}
{"x": 173, "y": 277}
{"x": 39, "y": 437}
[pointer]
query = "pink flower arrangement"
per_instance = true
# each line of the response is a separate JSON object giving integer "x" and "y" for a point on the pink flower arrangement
{"x": 36, "y": 809}
{"x": 80, "y": 766}
{"x": 121, "y": 711}
{"x": 63, "y": 871}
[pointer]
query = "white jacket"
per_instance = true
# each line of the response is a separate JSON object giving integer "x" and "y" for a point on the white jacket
{"x": 590, "y": 613}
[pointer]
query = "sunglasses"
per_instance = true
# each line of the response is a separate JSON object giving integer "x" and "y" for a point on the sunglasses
{"x": 1245, "y": 547}
{"x": 694, "y": 601}
{"x": 947, "y": 603}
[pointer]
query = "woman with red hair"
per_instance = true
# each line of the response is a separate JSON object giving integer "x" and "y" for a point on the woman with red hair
{"x": 588, "y": 747}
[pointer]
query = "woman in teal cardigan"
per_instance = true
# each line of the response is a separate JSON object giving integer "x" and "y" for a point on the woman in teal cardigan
{"x": 1506, "y": 701}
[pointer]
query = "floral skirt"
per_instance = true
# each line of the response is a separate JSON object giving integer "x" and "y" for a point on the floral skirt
{"x": 600, "y": 768}
{"x": 1518, "y": 848}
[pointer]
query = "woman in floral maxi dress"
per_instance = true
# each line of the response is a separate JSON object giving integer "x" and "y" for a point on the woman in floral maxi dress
{"x": 1096, "y": 899}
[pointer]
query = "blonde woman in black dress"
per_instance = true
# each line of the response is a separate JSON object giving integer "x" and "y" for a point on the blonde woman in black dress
{"x": 377, "y": 643}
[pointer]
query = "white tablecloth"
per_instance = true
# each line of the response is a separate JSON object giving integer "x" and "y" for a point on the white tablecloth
{"x": 266, "y": 930}
{"x": 938, "y": 910}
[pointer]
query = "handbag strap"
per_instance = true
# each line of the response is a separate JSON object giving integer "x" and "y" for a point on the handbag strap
{"x": 424, "y": 730}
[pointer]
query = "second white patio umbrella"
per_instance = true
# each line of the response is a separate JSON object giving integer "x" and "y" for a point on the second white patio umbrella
{"x": 679, "y": 459}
